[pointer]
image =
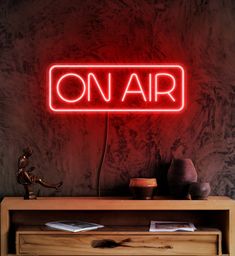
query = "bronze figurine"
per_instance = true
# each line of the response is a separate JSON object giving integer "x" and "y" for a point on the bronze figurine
{"x": 27, "y": 179}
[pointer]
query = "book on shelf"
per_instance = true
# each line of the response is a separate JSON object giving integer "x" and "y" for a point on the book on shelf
{"x": 171, "y": 226}
{"x": 73, "y": 226}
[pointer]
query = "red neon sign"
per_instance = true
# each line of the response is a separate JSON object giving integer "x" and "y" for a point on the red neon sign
{"x": 116, "y": 88}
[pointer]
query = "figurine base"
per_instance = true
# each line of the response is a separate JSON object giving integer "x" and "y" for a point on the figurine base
{"x": 29, "y": 194}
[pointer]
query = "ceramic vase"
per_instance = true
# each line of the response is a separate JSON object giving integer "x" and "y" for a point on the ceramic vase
{"x": 180, "y": 175}
{"x": 199, "y": 191}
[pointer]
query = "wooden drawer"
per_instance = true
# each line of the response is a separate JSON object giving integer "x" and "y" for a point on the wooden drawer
{"x": 123, "y": 243}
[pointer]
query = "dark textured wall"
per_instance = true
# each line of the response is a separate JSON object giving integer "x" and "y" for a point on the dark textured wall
{"x": 198, "y": 34}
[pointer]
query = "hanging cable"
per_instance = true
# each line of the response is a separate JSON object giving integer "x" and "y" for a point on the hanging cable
{"x": 104, "y": 149}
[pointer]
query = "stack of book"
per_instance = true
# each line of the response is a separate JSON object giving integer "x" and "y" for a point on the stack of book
{"x": 171, "y": 226}
{"x": 73, "y": 226}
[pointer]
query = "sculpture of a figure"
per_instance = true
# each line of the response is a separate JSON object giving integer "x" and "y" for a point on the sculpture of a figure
{"x": 27, "y": 179}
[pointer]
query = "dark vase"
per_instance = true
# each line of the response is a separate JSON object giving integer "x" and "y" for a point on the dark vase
{"x": 199, "y": 191}
{"x": 180, "y": 175}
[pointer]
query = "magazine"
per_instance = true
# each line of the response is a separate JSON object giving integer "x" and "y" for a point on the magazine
{"x": 171, "y": 226}
{"x": 73, "y": 226}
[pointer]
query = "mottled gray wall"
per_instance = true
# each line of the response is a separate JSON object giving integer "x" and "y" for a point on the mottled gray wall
{"x": 198, "y": 34}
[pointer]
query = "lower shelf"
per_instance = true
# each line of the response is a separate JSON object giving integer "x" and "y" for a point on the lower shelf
{"x": 39, "y": 240}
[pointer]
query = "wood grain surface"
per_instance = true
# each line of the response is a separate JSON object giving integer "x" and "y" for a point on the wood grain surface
{"x": 126, "y": 244}
{"x": 123, "y": 219}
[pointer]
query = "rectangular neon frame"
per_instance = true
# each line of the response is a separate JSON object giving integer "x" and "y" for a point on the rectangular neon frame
{"x": 117, "y": 66}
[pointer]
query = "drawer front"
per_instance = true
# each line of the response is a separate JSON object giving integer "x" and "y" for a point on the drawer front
{"x": 85, "y": 244}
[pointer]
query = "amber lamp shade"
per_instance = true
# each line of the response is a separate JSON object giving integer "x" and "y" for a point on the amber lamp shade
{"x": 143, "y": 188}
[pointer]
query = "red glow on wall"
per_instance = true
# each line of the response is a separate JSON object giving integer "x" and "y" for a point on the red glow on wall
{"x": 116, "y": 88}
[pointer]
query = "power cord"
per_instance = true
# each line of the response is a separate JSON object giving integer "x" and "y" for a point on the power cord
{"x": 105, "y": 144}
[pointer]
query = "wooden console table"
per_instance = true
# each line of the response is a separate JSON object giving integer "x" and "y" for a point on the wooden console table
{"x": 126, "y": 223}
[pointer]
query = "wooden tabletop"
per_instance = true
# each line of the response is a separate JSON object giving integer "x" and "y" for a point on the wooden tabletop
{"x": 116, "y": 203}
